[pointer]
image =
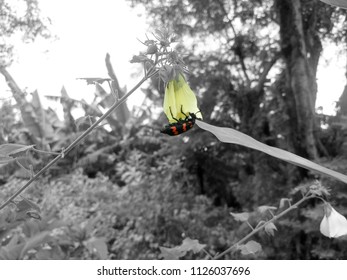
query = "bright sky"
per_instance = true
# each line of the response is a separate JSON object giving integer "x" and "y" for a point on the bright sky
{"x": 331, "y": 78}
{"x": 88, "y": 29}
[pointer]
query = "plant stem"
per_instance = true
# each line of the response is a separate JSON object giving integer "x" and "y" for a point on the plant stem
{"x": 77, "y": 140}
{"x": 45, "y": 152}
{"x": 276, "y": 217}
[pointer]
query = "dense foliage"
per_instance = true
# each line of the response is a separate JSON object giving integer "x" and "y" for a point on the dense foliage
{"x": 128, "y": 190}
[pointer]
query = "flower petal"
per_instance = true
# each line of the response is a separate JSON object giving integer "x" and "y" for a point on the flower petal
{"x": 185, "y": 99}
{"x": 338, "y": 224}
{"x": 180, "y": 100}
{"x": 170, "y": 102}
{"x": 324, "y": 227}
{"x": 333, "y": 224}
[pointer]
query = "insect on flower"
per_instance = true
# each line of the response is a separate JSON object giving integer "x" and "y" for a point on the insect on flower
{"x": 180, "y": 126}
{"x": 179, "y": 103}
{"x": 179, "y": 100}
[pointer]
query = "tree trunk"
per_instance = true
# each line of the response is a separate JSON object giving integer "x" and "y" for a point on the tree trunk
{"x": 300, "y": 47}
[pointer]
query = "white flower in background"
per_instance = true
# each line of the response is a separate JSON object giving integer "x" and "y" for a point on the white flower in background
{"x": 333, "y": 224}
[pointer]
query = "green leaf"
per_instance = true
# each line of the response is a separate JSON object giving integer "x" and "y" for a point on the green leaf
{"x": 12, "y": 250}
{"x": 240, "y": 217}
{"x": 27, "y": 208}
{"x": 26, "y": 205}
{"x": 13, "y": 150}
{"x": 171, "y": 253}
{"x": 319, "y": 190}
{"x": 5, "y": 159}
{"x": 139, "y": 59}
{"x": 97, "y": 245}
{"x": 43, "y": 124}
{"x": 285, "y": 201}
{"x": 33, "y": 214}
{"x": 83, "y": 120}
{"x": 313, "y": 213}
{"x": 264, "y": 208}
{"x": 270, "y": 229}
{"x": 191, "y": 245}
{"x": 229, "y": 135}
{"x": 92, "y": 81}
{"x": 251, "y": 247}
{"x": 35, "y": 241}
{"x": 180, "y": 251}
{"x": 337, "y": 3}
{"x": 12, "y": 253}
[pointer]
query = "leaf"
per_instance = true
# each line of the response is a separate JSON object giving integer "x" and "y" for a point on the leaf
{"x": 53, "y": 97}
{"x": 319, "y": 190}
{"x": 83, "y": 120}
{"x": 283, "y": 202}
{"x": 35, "y": 241}
{"x": 264, "y": 208}
{"x": 97, "y": 245}
{"x": 251, "y": 247}
{"x": 337, "y": 3}
{"x": 14, "y": 241}
{"x": 54, "y": 120}
{"x": 270, "y": 229}
{"x": 229, "y": 135}
{"x": 139, "y": 59}
{"x": 171, "y": 253}
{"x": 12, "y": 253}
{"x": 33, "y": 214}
{"x": 27, "y": 208}
{"x": 180, "y": 251}
{"x": 91, "y": 81}
{"x": 4, "y": 159}
{"x": 43, "y": 121}
{"x": 26, "y": 205}
{"x": 20, "y": 152}
{"x": 313, "y": 213}
{"x": 12, "y": 250}
{"x": 13, "y": 150}
{"x": 191, "y": 245}
{"x": 240, "y": 217}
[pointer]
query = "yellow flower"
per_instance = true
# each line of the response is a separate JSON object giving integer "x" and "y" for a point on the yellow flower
{"x": 333, "y": 224}
{"x": 180, "y": 100}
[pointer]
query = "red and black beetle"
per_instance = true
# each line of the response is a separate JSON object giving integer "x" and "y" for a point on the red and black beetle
{"x": 180, "y": 126}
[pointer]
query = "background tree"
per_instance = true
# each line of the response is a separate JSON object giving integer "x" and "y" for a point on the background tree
{"x": 20, "y": 19}
{"x": 254, "y": 65}
{"x": 245, "y": 61}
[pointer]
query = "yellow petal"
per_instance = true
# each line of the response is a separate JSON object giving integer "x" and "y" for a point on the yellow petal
{"x": 180, "y": 100}
{"x": 170, "y": 102}
{"x": 185, "y": 99}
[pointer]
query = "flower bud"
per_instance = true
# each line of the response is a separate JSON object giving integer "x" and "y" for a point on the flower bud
{"x": 152, "y": 49}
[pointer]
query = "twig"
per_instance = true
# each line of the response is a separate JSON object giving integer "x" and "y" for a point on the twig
{"x": 257, "y": 229}
{"x": 21, "y": 166}
{"x": 45, "y": 152}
